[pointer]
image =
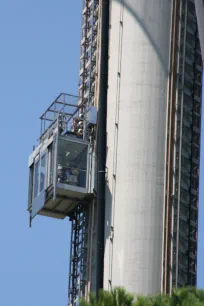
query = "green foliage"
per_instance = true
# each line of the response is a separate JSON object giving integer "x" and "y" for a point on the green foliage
{"x": 120, "y": 297}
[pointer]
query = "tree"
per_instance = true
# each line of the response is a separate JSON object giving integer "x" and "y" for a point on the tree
{"x": 120, "y": 297}
{"x": 116, "y": 297}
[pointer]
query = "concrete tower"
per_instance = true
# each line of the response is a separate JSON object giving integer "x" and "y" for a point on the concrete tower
{"x": 153, "y": 140}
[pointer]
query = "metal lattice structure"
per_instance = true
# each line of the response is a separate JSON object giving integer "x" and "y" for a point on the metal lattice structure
{"x": 78, "y": 252}
{"x": 64, "y": 104}
{"x": 87, "y": 74}
{"x": 189, "y": 155}
{"x": 87, "y": 89}
{"x": 181, "y": 238}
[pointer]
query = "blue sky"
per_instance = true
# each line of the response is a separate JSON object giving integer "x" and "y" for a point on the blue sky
{"x": 39, "y": 58}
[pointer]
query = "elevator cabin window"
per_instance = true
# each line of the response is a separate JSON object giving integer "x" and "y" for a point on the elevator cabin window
{"x": 72, "y": 163}
{"x": 42, "y": 172}
{"x": 30, "y": 190}
{"x": 50, "y": 165}
{"x": 36, "y": 178}
{"x": 39, "y": 175}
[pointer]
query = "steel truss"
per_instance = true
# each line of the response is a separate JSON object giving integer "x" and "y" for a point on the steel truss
{"x": 87, "y": 95}
{"x": 78, "y": 254}
{"x": 183, "y": 229}
{"x": 88, "y": 59}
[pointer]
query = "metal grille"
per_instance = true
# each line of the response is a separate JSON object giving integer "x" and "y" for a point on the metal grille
{"x": 78, "y": 253}
{"x": 184, "y": 198}
{"x": 87, "y": 74}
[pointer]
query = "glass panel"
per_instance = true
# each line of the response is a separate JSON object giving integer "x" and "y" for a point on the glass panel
{"x": 37, "y": 174}
{"x": 72, "y": 163}
{"x": 30, "y": 188}
{"x": 42, "y": 172}
{"x": 51, "y": 165}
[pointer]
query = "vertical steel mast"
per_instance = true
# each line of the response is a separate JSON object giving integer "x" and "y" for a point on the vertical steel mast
{"x": 82, "y": 225}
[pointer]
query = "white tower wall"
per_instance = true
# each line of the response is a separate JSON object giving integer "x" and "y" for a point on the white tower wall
{"x": 136, "y": 139}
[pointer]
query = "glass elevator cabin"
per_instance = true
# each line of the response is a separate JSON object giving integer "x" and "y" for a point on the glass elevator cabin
{"x": 61, "y": 167}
